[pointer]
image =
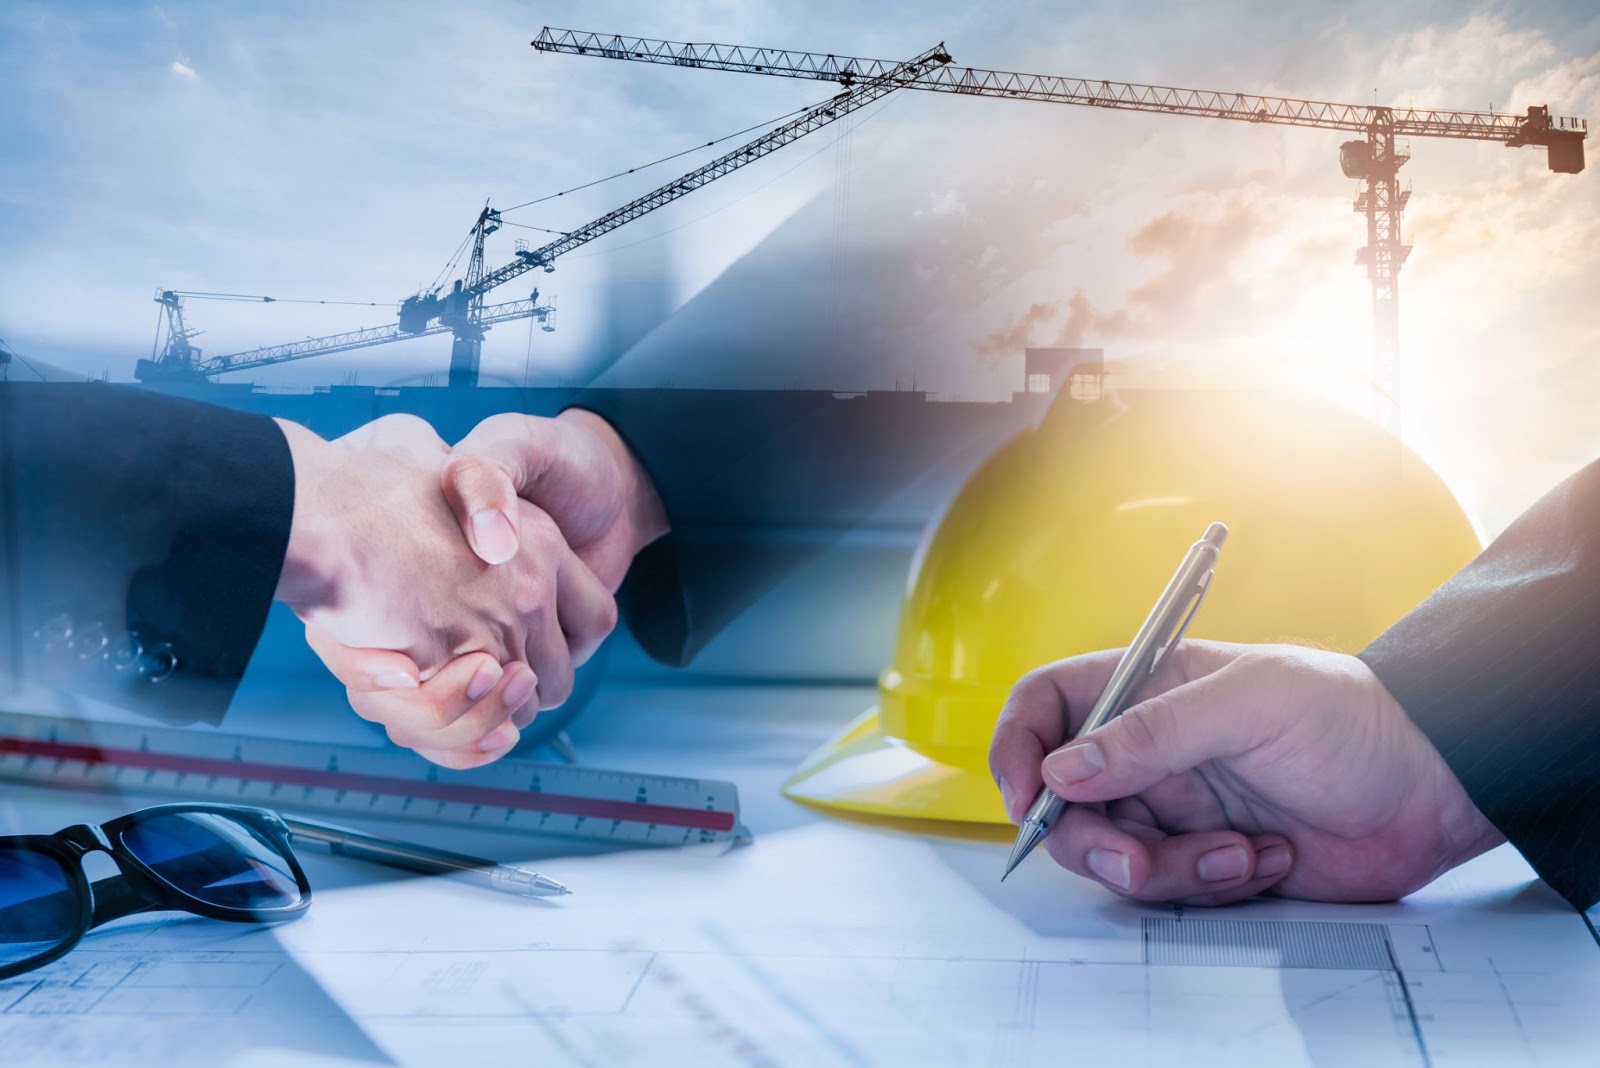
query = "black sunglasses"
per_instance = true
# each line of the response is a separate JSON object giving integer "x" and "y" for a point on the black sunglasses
{"x": 226, "y": 862}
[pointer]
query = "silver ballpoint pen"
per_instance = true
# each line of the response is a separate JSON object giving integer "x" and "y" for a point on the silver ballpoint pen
{"x": 1161, "y": 630}
{"x": 412, "y": 857}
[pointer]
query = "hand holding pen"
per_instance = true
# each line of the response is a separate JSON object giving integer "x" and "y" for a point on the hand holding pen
{"x": 1240, "y": 769}
{"x": 1161, "y": 631}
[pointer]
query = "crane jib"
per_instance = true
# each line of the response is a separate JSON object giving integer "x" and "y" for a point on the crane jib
{"x": 1090, "y": 92}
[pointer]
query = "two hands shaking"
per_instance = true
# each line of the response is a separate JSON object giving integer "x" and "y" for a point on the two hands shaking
{"x": 454, "y": 591}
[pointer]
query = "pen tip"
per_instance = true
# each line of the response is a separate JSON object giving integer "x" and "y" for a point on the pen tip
{"x": 1028, "y": 836}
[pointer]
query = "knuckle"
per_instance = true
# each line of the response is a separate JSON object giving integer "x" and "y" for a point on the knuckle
{"x": 1035, "y": 683}
{"x": 540, "y": 533}
{"x": 472, "y": 474}
{"x": 494, "y": 427}
{"x": 368, "y": 706}
{"x": 553, "y": 692}
{"x": 531, "y": 594}
{"x": 418, "y": 717}
{"x": 1143, "y": 735}
{"x": 1132, "y": 736}
{"x": 606, "y": 616}
{"x": 1029, "y": 692}
{"x": 400, "y": 736}
{"x": 404, "y": 426}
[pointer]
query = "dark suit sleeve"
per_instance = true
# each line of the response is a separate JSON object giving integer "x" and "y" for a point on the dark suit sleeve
{"x": 1500, "y": 667}
{"x": 141, "y": 538}
{"x": 754, "y": 485}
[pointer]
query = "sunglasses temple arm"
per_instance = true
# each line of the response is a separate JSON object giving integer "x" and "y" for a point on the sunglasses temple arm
{"x": 115, "y": 897}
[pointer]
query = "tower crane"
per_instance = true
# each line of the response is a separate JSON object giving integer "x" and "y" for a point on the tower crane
{"x": 175, "y": 357}
{"x": 1374, "y": 157}
{"x": 461, "y": 310}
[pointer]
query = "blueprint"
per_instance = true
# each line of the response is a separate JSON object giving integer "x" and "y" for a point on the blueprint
{"x": 827, "y": 942}
{"x": 831, "y": 944}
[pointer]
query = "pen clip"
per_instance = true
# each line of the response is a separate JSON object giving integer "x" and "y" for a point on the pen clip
{"x": 1178, "y": 632}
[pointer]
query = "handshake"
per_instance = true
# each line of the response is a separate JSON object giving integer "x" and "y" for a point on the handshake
{"x": 455, "y": 591}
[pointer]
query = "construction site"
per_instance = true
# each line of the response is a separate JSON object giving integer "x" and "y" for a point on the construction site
{"x": 1379, "y": 141}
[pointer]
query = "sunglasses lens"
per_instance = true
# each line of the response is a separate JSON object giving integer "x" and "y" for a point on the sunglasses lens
{"x": 215, "y": 859}
{"x": 39, "y": 907}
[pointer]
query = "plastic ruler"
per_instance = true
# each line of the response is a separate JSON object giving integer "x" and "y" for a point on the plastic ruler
{"x": 510, "y": 794}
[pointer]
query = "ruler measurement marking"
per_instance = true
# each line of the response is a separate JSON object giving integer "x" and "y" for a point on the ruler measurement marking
{"x": 342, "y": 781}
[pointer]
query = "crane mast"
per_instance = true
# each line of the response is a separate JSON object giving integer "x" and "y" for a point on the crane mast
{"x": 1374, "y": 159}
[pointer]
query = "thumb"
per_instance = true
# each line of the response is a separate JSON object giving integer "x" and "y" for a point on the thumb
{"x": 500, "y": 460}
{"x": 1220, "y": 715}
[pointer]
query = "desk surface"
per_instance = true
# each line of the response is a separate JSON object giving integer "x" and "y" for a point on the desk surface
{"x": 826, "y": 942}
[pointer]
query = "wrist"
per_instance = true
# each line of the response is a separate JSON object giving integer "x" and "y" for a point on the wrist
{"x": 1467, "y": 832}
{"x": 1467, "y": 826}
{"x": 646, "y": 515}
{"x": 309, "y": 574}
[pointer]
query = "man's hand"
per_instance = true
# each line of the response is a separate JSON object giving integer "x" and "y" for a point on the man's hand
{"x": 470, "y": 713}
{"x": 1240, "y": 769}
{"x": 376, "y": 560}
{"x": 575, "y": 468}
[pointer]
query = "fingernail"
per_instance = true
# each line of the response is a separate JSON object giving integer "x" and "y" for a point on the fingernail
{"x": 1008, "y": 798}
{"x": 1221, "y": 865}
{"x": 1273, "y": 860}
{"x": 1111, "y": 866}
{"x": 519, "y": 689}
{"x": 501, "y": 737}
{"x": 394, "y": 680}
{"x": 483, "y": 680}
{"x": 493, "y": 536}
{"x": 1075, "y": 763}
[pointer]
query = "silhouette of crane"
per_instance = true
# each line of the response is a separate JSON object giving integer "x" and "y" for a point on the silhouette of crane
{"x": 461, "y": 310}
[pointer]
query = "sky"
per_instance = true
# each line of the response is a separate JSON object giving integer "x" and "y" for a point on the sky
{"x": 340, "y": 152}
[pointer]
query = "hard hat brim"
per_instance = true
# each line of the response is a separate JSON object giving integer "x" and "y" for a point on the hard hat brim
{"x": 863, "y": 770}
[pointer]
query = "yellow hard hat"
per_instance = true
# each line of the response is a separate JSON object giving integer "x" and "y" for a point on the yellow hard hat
{"x": 1061, "y": 542}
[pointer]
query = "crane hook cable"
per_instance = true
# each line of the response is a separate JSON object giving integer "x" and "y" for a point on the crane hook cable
{"x": 663, "y": 159}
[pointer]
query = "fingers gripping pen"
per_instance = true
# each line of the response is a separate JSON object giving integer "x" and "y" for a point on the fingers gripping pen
{"x": 1161, "y": 630}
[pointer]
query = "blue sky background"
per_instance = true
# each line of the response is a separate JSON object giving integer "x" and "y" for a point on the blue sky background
{"x": 340, "y": 151}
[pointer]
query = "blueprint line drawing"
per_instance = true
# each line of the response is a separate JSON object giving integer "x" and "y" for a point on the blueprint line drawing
{"x": 765, "y": 956}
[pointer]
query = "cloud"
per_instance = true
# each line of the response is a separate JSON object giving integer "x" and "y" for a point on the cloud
{"x": 181, "y": 68}
{"x": 1080, "y": 322}
{"x": 947, "y": 203}
{"x": 1017, "y": 336}
{"x": 1084, "y": 323}
{"x": 1194, "y": 245}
